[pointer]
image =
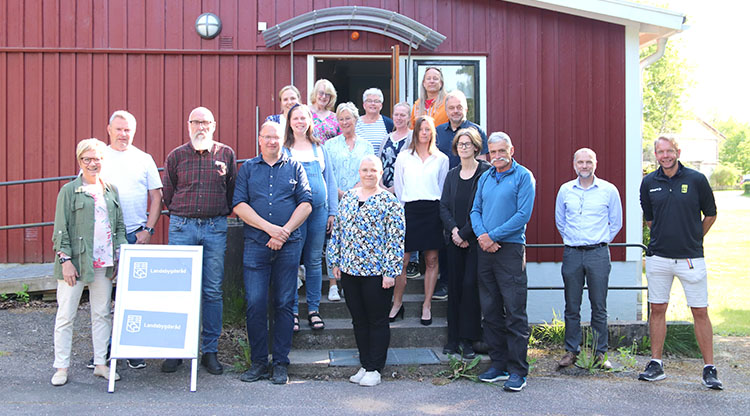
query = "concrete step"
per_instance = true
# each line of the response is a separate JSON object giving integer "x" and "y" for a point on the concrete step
{"x": 415, "y": 285}
{"x": 339, "y": 334}
{"x": 338, "y": 309}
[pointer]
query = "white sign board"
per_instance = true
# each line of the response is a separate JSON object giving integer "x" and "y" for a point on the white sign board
{"x": 157, "y": 306}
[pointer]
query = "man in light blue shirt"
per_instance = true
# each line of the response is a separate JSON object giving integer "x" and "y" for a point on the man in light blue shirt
{"x": 502, "y": 207}
{"x": 588, "y": 214}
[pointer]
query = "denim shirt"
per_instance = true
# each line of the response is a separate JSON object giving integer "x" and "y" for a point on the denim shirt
{"x": 74, "y": 227}
{"x": 273, "y": 192}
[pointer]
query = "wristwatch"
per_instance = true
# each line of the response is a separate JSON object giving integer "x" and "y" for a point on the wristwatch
{"x": 64, "y": 259}
{"x": 150, "y": 230}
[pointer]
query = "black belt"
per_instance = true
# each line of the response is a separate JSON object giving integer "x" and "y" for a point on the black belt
{"x": 588, "y": 247}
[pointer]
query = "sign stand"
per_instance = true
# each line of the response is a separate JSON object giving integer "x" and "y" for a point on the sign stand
{"x": 157, "y": 307}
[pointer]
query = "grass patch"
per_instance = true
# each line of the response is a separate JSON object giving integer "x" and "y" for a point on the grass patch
{"x": 680, "y": 341}
{"x": 726, "y": 249}
{"x": 234, "y": 308}
{"x": 548, "y": 333}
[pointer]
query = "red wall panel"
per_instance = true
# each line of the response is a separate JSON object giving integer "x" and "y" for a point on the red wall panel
{"x": 555, "y": 83}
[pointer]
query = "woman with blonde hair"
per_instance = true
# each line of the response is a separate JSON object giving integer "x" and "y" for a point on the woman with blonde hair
{"x": 87, "y": 235}
{"x": 322, "y": 102}
{"x": 431, "y": 100}
{"x": 288, "y": 97}
{"x": 418, "y": 182}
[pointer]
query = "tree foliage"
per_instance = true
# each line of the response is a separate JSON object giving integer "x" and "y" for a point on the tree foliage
{"x": 664, "y": 84}
{"x": 735, "y": 150}
{"x": 725, "y": 176}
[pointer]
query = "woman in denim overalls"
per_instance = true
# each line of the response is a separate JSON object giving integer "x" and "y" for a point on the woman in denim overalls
{"x": 301, "y": 145}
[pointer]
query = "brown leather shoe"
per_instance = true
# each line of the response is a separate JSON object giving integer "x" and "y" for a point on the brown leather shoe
{"x": 603, "y": 362}
{"x": 568, "y": 359}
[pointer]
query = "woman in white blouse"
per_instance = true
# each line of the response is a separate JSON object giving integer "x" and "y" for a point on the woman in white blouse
{"x": 418, "y": 182}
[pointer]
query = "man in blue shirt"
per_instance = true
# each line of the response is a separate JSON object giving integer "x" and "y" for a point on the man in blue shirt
{"x": 456, "y": 107}
{"x": 679, "y": 208}
{"x": 502, "y": 208}
{"x": 588, "y": 215}
{"x": 273, "y": 198}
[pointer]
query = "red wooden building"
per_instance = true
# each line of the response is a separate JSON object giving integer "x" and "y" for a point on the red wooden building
{"x": 555, "y": 75}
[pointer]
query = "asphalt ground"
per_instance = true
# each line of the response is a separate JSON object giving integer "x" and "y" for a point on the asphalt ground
{"x": 26, "y": 356}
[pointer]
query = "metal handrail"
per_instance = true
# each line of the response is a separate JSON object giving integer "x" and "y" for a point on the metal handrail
{"x": 53, "y": 179}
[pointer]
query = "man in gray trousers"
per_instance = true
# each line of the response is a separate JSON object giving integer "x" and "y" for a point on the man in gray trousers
{"x": 588, "y": 214}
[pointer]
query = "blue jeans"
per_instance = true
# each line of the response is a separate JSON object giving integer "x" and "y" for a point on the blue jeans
{"x": 211, "y": 233}
{"x": 591, "y": 267}
{"x": 264, "y": 267}
{"x": 314, "y": 235}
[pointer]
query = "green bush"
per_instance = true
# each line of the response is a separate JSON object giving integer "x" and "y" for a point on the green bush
{"x": 725, "y": 176}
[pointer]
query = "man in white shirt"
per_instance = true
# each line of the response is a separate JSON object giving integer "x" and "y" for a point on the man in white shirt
{"x": 138, "y": 183}
{"x": 588, "y": 215}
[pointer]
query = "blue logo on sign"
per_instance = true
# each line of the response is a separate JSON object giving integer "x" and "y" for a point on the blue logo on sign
{"x": 162, "y": 274}
{"x": 153, "y": 329}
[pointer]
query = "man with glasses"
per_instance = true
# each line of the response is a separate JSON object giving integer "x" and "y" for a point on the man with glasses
{"x": 199, "y": 179}
{"x": 588, "y": 215}
{"x": 134, "y": 173}
{"x": 679, "y": 208}
{"x": 273, "y": 198}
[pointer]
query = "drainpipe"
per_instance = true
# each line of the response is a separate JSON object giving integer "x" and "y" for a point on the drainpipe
{"x": 661, "y": 46}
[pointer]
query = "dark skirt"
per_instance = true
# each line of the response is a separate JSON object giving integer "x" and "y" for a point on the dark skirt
{"x": 424, "y": 230}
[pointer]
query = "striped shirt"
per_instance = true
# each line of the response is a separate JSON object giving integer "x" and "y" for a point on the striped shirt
{"x": 372, "y": 132}
{"x": 199, "y": 184}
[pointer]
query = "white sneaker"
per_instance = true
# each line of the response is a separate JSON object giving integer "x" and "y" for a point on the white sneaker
{"x": 371, "y": 378}
{"x": 333, "y": 293}
{"x": 358, "y": 377}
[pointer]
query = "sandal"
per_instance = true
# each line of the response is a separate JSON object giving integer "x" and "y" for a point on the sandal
{"x": 315, "y": 324}
{"x": 295, "y": 326}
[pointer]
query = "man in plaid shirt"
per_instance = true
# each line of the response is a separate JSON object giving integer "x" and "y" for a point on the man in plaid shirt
{"x": 198, "y": 182}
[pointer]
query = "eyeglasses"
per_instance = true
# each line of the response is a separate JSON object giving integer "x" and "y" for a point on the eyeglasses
{"x": 373, "y": 101}
{"x": 204, "y": 123}
{"x": 323, "y": 94}
{"x": 269, "y": 137}
{"x": 464, "y": 145}
{"x": 88, "y": 160}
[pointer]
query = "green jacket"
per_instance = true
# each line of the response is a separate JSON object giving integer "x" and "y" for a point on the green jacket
{"x": 74, "y": 227}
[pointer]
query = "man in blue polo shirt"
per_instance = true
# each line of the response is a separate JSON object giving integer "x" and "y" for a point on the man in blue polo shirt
{"x": 273, "y": 198}
{"x": 678, "y": 205}
{"x": 502, "y": 208}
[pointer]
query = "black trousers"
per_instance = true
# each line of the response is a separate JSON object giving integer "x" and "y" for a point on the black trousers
{"x": 502, "y": 294}
{"x": 369, "y": 305}
{"x": 464, "y": 312}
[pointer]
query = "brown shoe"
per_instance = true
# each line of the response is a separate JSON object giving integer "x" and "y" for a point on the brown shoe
{"x": 603, "y": 362}
{"x": 568, "y": 359}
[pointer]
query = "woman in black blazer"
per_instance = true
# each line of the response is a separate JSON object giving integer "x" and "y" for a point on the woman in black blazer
{"x": 464, "y": 313}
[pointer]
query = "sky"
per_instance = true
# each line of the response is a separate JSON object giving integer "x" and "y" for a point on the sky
{"x": 717, "y": 48}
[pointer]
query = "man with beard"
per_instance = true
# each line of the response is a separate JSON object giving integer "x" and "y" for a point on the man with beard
{"x": 502, "y": 208}
{"x": 679, "y": 207}
{"x": 199, "y": 181}
{"x": 588, "y": 214}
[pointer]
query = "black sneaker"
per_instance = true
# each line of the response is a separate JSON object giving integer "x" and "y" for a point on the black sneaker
{"x": 136, "y": 363}
{"x": 710, "y": 378}
{"x": 441, "y": 293}
{"x": 653, "y": 372}
{"x": 280, "y": 374}
{"x": 412, "y": 270}
{"x": 258, "y": 371}
{"x": 170, "y": 365}
{"x": 466, "y": 351}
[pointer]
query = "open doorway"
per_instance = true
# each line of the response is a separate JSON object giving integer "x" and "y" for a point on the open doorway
{"x": 352, "y": 76}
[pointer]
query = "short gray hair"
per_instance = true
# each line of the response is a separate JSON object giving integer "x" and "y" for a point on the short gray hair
{"x": 125, "y": 116}
{"x": 372, "y": 91}
{"x": 499, "y": 136}
{"x": 350, "y": 107}
{"x": 374, "y": 159}
{"x": 584, "y": 150}
{"x": 460, "y": 96}
{"x": 279, "y": 128}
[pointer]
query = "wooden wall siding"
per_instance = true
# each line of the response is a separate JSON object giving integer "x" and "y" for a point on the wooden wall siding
{"x": 555, "y": 83}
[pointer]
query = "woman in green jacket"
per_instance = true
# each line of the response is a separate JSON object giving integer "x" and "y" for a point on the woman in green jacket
{"x": 87, "y": 236}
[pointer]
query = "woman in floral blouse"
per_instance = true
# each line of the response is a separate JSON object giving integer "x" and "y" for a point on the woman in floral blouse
{"x": 322, "y": 103}
{"x": 87, "y": 236}
{"x": 366, "y": 251}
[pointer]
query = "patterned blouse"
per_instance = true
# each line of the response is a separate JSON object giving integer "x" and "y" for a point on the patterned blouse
{"x": 388, "y": 154}
{"x": 368, "y": 240}
{"x": 102, "y": 231}
{"x": 325, "y": 128}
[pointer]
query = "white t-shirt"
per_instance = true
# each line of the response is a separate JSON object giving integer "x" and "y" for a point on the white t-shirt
{"x": 309, "y": 156}
{"x": 134, "y": 173}
{"x": 414, "y": 180}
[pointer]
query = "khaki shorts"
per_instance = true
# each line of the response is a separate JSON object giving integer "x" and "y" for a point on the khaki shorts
{"x": 661, "y": 271}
